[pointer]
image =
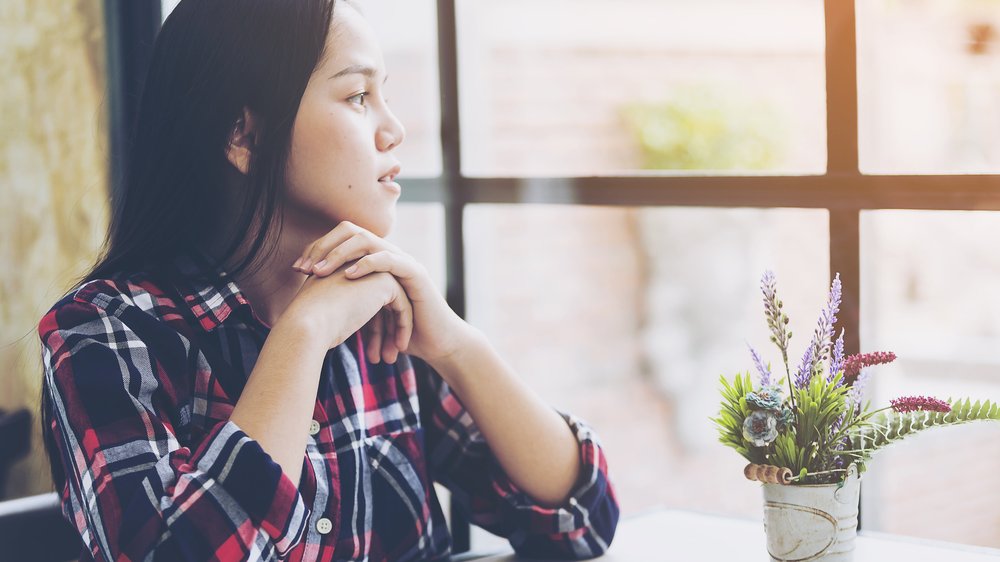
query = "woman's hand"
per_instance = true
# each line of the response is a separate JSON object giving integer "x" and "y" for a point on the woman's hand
{"x": 437, "y": 330}
{"x": 334, "y": 307}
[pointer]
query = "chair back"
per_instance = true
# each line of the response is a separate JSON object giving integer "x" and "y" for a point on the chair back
{"x": 32, "y": 529}
{"x": 15, "y": 441}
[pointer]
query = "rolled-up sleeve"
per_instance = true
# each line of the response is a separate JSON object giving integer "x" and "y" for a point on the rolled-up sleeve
{"x": 460, "y": 459}
{"x": 133, "y": 491}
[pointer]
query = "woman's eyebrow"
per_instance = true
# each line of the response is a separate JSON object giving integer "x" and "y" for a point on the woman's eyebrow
{"x": 359, "y": 69}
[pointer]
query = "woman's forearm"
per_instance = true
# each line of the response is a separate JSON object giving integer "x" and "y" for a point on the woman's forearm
{"x": 276, "y": 405}
{"x": 533, "y": 443}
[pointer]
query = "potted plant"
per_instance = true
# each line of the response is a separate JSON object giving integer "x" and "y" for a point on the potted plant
{"x": 809, "y": 436}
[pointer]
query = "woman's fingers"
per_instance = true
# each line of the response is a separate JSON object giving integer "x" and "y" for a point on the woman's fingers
{"x": 400, "y": 266}
{"x": 387, "y": 334}
{"x": 321, "y": 265}
{"x": 344, "y": 243}
{"x": 404, "y": 327}
{"x": 322, "y": 246}
{"x": 402, "y": 312}
{"x": 389, "y": 331}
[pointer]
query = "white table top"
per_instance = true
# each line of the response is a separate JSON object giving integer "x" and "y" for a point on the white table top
{"x": 684, "y": 536}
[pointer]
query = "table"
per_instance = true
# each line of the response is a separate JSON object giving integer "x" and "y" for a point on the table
{"x": 686, "y": 536}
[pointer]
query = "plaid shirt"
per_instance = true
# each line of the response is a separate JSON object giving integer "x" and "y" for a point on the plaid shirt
{"x": 141, "y": 378}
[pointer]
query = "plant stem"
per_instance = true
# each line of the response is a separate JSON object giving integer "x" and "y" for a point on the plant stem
{"x": 788, "y": 376}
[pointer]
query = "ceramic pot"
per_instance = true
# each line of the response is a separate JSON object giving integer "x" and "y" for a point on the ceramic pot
{"x": 812, "y": 522}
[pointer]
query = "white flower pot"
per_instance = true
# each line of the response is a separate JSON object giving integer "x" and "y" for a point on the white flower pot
{"x": 812, "y": 522}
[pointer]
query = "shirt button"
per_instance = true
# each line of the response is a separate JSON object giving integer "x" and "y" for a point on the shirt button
{"x": 324, "y": 526}
{"x": 313, "y": 427}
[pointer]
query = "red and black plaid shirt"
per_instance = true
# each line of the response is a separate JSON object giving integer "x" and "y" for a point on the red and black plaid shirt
{"x": 141, "y": 377}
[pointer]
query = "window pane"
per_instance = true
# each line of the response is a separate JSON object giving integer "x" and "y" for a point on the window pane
{"x": 407, "y": 32}
{"x": 929, "y": 86}
{"x": 577, "y": 87}
{"x": 621, "y": 314}
{"x": 929, "y": 282}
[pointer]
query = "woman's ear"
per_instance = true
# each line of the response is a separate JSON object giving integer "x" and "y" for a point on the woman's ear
{"x": 242, "y": 142}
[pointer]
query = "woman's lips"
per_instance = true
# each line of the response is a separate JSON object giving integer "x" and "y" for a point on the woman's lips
{"x": 391, "y": 185}
{"x": 388, "y": 179}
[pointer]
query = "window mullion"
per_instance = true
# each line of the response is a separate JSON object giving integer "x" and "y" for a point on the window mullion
{"x": 841, "y": 87}
{"x": 845, "y": 259}
{"x": 454, "y": 204}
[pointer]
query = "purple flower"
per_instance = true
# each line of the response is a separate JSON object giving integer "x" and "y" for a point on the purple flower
{"x": 836, "y": 424}
{"x": 918, "y": 403}
{"x": 854, "y": 363}
{"x": 760, "y": 428}
{"x": 823, "y": 336}
{"x": 805, "y": 369}
{"x": 837, "y": 446}
{"x": 837, "y": 361}
{"x": 764, "y": 370}
{"x": 858, "y": 389}
{"x": 834, "y": 428}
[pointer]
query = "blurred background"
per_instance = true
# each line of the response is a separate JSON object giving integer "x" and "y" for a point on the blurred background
{"x": 626, "y": 313}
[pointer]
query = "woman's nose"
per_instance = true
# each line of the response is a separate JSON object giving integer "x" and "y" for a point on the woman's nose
{"x": 391, "y": 133}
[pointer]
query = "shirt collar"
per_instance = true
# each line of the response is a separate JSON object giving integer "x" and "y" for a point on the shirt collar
{"x": 208, "y": 290}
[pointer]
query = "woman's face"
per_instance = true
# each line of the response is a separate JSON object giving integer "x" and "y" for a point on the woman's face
{"x": 342, "y": 163}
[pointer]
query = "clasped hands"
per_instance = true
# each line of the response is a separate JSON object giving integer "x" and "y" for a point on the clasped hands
{"x": 425, "y": 327}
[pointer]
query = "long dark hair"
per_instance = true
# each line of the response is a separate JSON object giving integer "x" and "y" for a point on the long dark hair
{"x": 211, "y": 59}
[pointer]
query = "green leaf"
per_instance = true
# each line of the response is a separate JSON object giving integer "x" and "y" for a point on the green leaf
{"x": 732, "y": 411}
{"x": 888, "y": 427}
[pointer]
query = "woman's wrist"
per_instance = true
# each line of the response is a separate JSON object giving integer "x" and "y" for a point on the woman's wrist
{"x": 469, "y": 342}
{"x": 309, "y": 329}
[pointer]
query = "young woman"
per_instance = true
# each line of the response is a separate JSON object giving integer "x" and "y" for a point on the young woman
{"x": 228, "y": 382}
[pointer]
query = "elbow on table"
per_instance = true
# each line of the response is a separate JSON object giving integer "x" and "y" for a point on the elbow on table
{"x": 590, "y": 540}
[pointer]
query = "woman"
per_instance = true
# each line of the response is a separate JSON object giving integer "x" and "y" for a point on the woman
{"x": 215, "y": 388}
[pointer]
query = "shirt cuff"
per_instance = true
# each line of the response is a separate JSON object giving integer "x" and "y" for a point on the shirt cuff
{"x": 256, "y": 482}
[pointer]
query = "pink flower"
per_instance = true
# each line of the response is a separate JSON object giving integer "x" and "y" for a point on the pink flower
{"x": 854, "y": 363}
{"x": 919, "y": 403}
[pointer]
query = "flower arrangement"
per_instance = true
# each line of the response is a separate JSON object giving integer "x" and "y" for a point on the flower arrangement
{"x": 813, "y": 430}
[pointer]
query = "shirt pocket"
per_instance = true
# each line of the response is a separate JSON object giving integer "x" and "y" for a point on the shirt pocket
{"x": 402, "y": 521}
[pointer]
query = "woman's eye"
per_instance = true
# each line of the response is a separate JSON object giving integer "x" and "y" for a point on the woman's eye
{"x": 358, "y": 98}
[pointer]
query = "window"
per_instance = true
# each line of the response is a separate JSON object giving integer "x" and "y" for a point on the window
{"x": 634, "y": 312}
{"x": 929, "y": 79}
{"x": 407, "y": 32}
{"x": 929, "y": 280}
{"x": 579, "y": 87}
